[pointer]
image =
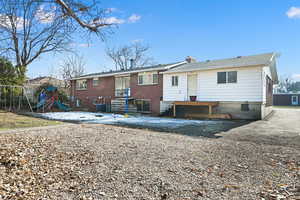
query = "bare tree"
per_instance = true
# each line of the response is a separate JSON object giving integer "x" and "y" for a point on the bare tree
{"x": 130, "y": 56}
{"x": 31, "y": 28}
{"x": 287, "y": 84}
{"x": 72, "y": 67}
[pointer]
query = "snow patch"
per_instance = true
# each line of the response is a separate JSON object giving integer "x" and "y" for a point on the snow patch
{"x": 121, "y": 119}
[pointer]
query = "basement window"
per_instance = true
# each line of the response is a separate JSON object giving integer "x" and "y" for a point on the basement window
{"x": 245, "y": 107}
{"x": 143, "y": 105}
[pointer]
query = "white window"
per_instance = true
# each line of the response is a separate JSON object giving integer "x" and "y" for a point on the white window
{"x": 174, "y": 80}
{"x": 148, "y": 78}
{"x": 227, "y": 77}
{"x": 96, "y": 82}
{"x": 122, "y": 86}
{"x": 295, "y": 100}
{"x": 81, "y": 84}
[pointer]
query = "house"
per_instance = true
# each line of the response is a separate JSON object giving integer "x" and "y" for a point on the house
{"x": 45, "y": 79}
{"x": 286, "y": 99}
{"x": 142, "y": 87}
{"x": 237, "y": 88}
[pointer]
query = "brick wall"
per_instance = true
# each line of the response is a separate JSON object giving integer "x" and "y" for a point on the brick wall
{"x": 150, "y": 92}
{"x": 105, "y": 89}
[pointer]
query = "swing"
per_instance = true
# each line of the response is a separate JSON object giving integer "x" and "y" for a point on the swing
{"x": 1, "y": 102}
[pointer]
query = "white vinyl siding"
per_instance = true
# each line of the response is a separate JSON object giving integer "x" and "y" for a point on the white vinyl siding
{"x": 265, "y": 72}
{"x": 178, "y": 93}
{"x": 247, "y": 88}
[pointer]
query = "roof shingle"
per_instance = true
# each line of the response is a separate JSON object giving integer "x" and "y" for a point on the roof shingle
{"x": 240, "y": 61}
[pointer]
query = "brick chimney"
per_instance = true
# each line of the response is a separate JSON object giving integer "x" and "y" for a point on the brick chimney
{"x": 190, "y": 59}
{"x": 132, "y": 63}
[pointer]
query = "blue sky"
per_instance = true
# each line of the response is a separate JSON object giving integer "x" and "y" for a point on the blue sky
{"x": 204, "y": 29}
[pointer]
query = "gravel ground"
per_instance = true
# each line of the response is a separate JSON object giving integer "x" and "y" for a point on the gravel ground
{"x": 90, "y": 161}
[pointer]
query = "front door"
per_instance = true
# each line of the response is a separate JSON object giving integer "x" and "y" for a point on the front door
{"x": 192, "y": 85}
{"x": 295, "y": 100}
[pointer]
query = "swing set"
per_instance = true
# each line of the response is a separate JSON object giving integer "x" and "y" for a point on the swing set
{"x": 14, "y": 98}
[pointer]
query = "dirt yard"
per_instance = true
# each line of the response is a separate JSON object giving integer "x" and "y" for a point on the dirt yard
{"x": 260, "y": 160}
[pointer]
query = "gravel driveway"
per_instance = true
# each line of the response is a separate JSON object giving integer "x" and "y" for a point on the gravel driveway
{"x": 260, "y": 160}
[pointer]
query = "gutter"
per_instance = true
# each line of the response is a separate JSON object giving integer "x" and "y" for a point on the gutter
{"x": 130, "y": 72}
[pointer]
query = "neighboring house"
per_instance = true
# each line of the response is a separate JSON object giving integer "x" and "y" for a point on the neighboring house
{"x": 288, "y": 99}
{"x": 144, "y": 87}
{"x": 32, "y": 85}
{"x": 239, "y": 88}
{"x": 45, "y": 79}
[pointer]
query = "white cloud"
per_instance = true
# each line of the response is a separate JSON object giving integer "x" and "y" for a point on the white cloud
{"x": 296, "y": 76}
{"x": 5, "y": 22}
{"x": 84, "y": 45}
{"x": 134, "y": 18}
{"x": 110, "y": 10}
{"x": 113, "y": 20}
{"x": 137, "y": 40}
{"x": 293, "y": 12}
{"x": 45, "y": 16}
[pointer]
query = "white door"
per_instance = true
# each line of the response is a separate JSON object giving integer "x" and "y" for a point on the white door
{"x": 295, "y": 100}
{"x": 121, "y": 84}
{"x": 192, "y": 85}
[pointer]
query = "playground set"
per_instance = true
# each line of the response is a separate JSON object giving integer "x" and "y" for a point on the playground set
{"x": 19, "y": 98}
{"x": 22, "y": 99}
{"x": 48, "y": 99}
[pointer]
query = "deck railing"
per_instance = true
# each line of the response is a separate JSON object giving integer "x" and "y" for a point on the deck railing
{"x": 122, "y": 92}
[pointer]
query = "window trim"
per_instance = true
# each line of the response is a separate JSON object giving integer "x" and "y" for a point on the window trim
{"x": 227, "y": 76}
{"x": 177, "y": 81}
{"x": 142, "y": 75}
{"x": 218, "y": 77}
{"x": 94, "y": 79}
{"x": 78, "y": 88}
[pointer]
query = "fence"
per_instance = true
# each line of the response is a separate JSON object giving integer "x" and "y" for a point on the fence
{"x": 15, "y": 98}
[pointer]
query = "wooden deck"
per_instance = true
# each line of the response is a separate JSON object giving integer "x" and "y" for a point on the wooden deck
{"x": 210, "y": 105}
{"x": 196, "y": 103}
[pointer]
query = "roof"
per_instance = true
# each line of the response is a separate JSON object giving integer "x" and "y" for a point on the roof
{"x": 133, "y": 70}
{"x": 45, "y": 79}
{"x": 266, "y": 59}
{"x": 41, "y": 78}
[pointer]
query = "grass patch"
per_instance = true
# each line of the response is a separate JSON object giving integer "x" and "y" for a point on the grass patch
{"x": 10, "y": 120}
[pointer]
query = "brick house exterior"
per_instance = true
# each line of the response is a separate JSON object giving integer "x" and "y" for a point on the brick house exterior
{"x": 153, "y": 93}
{"x": 106, "y": 88}
{"x": 86, "y": 96}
